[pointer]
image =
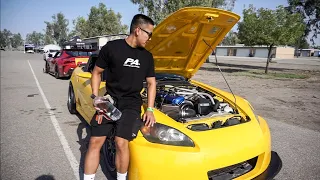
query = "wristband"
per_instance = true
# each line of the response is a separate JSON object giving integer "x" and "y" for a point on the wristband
{"x": 150, "y": 109}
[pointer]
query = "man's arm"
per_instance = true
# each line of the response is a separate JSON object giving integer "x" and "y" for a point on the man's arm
{"x": 101, "y": 64}
{"x": 151, "y": 82}
{"x": 148, "y": 115}
{"x": 96, "y": 80}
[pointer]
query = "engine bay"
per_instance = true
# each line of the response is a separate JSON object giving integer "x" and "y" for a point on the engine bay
{"x": 187, "y": 103}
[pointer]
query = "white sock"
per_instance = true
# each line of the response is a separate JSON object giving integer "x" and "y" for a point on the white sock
{"x": 88, "y": 176}
{"x": 121, "y": 176}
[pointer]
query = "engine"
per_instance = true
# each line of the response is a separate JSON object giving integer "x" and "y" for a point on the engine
{"x": 188, "y": 103}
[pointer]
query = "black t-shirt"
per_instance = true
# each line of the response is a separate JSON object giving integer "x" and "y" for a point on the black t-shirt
{"x": 126, "y": 69}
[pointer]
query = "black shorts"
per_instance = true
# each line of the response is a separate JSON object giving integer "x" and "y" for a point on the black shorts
{"x": 126, "y": 127}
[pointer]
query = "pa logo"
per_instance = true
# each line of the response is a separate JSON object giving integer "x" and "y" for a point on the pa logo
{"x": 132, "y": 63}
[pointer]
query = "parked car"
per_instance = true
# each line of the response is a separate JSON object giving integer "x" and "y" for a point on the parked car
{"x": 201, "y": 132}
{"x": 63, "y": 62}
{"x": 50, "y": 49}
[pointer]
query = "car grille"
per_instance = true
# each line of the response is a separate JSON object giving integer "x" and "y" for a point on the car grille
{"x": 233, "y": 171}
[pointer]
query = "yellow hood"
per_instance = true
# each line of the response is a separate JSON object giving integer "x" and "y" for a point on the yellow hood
{"x": 177, "y": 43}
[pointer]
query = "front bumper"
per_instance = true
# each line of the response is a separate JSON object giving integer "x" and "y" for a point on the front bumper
{"x": 273, "y": 169}
{"x": 231, "y": 161}
{"x": 158, "y": 164}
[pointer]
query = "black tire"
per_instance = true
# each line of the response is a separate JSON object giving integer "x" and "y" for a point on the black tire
{"x": 46, "y": 68}
{"x": 109, "y": 156}
{"x": 56, "y": 73}
{"x": 71, "y": 103}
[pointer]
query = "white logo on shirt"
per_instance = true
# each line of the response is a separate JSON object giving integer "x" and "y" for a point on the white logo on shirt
{"x": 132, "y": 63}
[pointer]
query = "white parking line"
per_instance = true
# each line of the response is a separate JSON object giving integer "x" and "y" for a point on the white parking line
{"x": 72, "y": 160}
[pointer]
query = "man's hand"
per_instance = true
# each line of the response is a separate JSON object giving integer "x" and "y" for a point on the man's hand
{"x": 149, "y": 119}
{"x": 100, "y": 113}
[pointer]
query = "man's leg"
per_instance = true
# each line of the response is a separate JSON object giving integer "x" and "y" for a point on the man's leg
{"x": 122, "y": 157}
{"x": 93, "y": 155}
{"x": 126, "y": 130}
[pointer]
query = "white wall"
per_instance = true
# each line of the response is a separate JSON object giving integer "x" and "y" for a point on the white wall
{"x": 222, "y": 51}
{"x": 261, "y": 52}
{"x": 104, "y": 40}
{"x": 243, "y": 52}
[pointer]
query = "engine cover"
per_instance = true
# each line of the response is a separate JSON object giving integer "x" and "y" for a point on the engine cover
{"x": 203, "y": 106}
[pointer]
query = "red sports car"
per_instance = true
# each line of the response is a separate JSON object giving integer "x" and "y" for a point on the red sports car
{"x": 63, "y": 62}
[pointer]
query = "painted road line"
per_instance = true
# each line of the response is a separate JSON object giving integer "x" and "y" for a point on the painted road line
{"x": 72, "y": 160}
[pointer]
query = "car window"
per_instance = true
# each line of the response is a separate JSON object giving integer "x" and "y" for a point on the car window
{"x": 57, "y": 54}
{"x": 90, "y": 66}
{"x": 78, "y": 53}
{"x": 91, "y": 63}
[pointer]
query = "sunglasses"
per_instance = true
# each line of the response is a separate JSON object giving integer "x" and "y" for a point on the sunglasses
{"x": 149, "y": 33}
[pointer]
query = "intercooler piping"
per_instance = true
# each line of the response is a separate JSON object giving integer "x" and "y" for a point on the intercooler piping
{"x": 189, "y": 90}
{"x": 190, "y": 93}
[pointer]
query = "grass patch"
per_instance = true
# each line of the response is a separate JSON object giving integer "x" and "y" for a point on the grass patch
{"x": 271, "y": 75}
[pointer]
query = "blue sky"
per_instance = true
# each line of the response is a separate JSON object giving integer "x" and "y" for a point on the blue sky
{"x": 25, "y": 16}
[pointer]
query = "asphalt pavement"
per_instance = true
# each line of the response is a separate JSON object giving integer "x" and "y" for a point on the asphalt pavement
{"x": 41, "y": 140}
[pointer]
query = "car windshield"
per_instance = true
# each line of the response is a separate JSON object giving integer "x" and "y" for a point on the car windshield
{"x": 165, "y": 76}
{"x": 52, "y": 50}
{"x": 78, "y": 53}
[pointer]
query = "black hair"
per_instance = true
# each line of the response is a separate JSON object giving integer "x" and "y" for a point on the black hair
{"x": 140, "y": 19}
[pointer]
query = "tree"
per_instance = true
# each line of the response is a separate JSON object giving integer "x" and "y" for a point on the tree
{"x": 100, "y": 21}
{"x": 160, "y": 9}
{"x": 301, "y": 43}
{"x": 5, "y": 38}
{"x": 16, "y": 40}
{"x": 57, "y": 30}
{"x": 48, "y": 37}
{"x": 59, "y": 27}
{"x": 310, "y": 11}
{"x": 35, "y": 38}
{"x": 270, "y": 27}
{"x": 230, "y": 39}
{"x": 81, "y": 28}
{"x": 2, "y": 40}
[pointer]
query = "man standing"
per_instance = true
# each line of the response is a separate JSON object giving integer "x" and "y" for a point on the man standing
{"x": 127, "y": 65}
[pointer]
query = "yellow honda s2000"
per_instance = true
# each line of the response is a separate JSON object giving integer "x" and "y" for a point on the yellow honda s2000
{"x": 202, "y": 133}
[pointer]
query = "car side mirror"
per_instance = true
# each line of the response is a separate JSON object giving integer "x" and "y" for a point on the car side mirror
{"x": 49, "y": 55}
{"x": 85, "y": 75}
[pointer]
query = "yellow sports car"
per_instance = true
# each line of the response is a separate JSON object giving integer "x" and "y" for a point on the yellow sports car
{"x": 202, "y": 133}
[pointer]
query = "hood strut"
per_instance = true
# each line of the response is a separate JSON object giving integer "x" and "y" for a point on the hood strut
{"x": 215, "y": 55}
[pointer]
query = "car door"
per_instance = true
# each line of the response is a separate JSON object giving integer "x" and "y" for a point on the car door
{"x": 86, "y": 90}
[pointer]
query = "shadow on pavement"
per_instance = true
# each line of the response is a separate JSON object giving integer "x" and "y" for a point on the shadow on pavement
{"x": 226, "y": 70}
{"x": 45, "y": 177}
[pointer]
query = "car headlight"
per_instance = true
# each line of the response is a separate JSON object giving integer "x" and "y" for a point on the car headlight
{"x": 163, "y": 134}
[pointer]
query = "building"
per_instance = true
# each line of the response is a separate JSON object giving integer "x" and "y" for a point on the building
{"x": 307, "y": 52}
{"x": 98, "y": 41}
{"x": 74, "y": 43}
{"x": 255, "y": 51}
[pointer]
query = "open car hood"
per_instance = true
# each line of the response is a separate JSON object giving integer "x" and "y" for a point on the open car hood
{"x": 178, "y": 42}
